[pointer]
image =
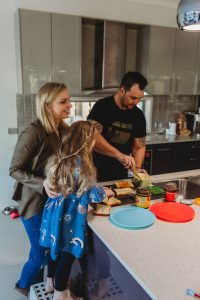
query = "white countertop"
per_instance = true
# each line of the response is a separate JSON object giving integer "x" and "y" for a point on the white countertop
{"x": 163, "y": 258}
{"x": 166, "y": 138}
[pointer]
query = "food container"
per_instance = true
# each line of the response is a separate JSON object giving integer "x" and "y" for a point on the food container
{"x": 143, "y": 197}
{"x": 142, "y": 179}
{"x": 171, "y": 191}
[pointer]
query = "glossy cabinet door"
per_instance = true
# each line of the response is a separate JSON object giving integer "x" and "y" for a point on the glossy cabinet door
{"x": 172, "y": 157}
{"x": 197, "y": 87}
{"x": 161, "y": 59}
{"x": 155, "y": 57}
{"x": 66, "y": 51}
{"x": 35, "y": 29}
{"x": 185, "y": 62}
{"x": 168, "y": 58}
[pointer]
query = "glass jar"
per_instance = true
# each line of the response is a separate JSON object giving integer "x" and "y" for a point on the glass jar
{"x": 143, "y": 197}
{"x": 171, "y": 191}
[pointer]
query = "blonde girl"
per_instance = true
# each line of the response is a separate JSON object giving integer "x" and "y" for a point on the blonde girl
{"x": 72, "y": 175}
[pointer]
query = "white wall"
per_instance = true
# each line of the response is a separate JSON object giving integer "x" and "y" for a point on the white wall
{"x": 122, "y": 10}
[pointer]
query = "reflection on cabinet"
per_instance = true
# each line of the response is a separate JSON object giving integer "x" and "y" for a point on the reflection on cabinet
{"x": 50, "y": 50}
{"x": 35, "y": 49}
{"x": 172, "y": 157}
{"x": 185, "y": 61}
{"x": 155, "y": 57}
{"x": 198, "y": 69}
{"x": 66, "y": 51}
{"x": 168, "y": 58}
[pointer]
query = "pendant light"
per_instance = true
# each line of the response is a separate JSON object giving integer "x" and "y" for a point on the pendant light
{"x": 188, "y": 15}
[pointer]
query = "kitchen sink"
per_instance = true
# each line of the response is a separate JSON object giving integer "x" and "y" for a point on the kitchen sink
{"x": 186, "y": 188}
{"x": 194, "y": 179}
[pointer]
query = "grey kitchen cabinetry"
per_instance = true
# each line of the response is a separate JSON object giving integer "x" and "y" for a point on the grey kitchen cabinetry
{"x": 168, "y": 58}
{"x": 172, "y": 157}
{"x": 198, "y": 69}
{"x": 155, "y": 57}
{"x": 35, "y": 31}
{"x": 50, "y": 50}
{"x": 185, "y": 61}
{"x": 66, "y": 50}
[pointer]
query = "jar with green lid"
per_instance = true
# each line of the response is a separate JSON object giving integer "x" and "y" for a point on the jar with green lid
{"x": 143, "y": 197}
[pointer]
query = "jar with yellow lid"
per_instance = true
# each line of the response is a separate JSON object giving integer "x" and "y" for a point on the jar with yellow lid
{"x": 143, "y": 197}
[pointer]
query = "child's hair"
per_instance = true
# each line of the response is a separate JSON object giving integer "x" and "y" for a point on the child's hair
{"x": 71, "y": 170}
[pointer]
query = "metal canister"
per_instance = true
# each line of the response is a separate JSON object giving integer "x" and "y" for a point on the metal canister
{"x": 171, "y": 191}
{"x": 143, "y": 197}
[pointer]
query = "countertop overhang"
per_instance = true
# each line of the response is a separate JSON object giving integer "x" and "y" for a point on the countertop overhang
{"x": 162, "y": 258}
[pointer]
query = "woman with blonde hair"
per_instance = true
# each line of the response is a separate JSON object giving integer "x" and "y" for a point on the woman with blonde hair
{"x": 72, "y": 175}
{"x": 35, "y": 145}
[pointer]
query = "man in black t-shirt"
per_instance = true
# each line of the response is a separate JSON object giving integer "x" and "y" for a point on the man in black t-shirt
{"x": 121, "y": 145}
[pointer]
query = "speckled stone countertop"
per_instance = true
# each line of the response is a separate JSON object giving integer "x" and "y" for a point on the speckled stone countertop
{"x": 166, "y": 138}
{"x": 163, "y": 258}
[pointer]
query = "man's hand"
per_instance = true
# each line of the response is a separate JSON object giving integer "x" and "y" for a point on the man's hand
{"x": 127, "y": 161}
{"x": 49, "y": 192}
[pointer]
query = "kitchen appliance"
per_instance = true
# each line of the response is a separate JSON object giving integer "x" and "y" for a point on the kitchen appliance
{"x": 193, "y": 121}
{"x": 147, "y": 163}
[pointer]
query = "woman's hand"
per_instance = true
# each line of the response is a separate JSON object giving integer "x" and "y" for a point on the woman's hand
{"x": 108, "y": 192}
{"x": 50, "y": 193}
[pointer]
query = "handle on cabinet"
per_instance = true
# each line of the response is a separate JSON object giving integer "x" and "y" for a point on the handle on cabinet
{"x": 198, "y": 86}
{"x": 191, "y": 158}
{"x": 195, "y": 147}
{"x": 170, "y": 84}
{"x": 163, "y": 149}
{"x": 176, "y": 85}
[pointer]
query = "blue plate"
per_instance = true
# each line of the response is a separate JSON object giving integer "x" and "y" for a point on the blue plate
{"x": 132, "y": 217}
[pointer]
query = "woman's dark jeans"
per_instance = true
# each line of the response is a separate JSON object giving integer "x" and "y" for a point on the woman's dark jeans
{"x": 33, "y": 269}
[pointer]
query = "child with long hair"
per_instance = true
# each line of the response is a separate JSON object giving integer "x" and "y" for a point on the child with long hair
{"x": 72, "y": 175}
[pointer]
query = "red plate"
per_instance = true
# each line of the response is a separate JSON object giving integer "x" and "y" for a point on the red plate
{"x": 172, "y": 211}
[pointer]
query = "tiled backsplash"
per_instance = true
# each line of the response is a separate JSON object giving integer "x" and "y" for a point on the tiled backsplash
{"x": 164, "y": 109}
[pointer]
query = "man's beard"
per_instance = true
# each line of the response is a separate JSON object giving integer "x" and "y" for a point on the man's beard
{"x": 124, "y": 105}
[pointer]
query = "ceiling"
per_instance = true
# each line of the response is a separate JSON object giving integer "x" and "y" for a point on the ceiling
{"x": 165, "y": 3}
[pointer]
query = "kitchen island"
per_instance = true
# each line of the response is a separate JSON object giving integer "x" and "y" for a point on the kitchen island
{"x": 158, "y": 262}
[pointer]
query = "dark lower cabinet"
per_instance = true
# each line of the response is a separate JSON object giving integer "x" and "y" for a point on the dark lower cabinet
{"x": 172, "y": 157}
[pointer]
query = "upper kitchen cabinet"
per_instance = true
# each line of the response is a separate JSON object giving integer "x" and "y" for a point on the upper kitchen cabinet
{"x": 185, "y": 61}
{"x": 66, "y": 50}
{"x": 155, "y": 57}
{"x": 35, "y": 30}
{"x": 50, "y": 50}
{"x": 198, "y": 69}
{"x": 168, "y": 58}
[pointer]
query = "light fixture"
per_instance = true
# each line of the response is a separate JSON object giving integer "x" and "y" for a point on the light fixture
{"x": 188, "y": 15}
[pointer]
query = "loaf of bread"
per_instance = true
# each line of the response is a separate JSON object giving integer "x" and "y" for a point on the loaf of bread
{"x": 111, "y": 201}
{"x": 124, "y": 191}
{"x": 123, "y": 184}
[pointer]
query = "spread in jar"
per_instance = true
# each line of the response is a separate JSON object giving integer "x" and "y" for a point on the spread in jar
{"x": 143, "y": 197}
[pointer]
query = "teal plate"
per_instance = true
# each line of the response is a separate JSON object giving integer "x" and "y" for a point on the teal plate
{"x": 132, "y": 217}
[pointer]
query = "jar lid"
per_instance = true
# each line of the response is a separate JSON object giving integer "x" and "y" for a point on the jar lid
{"x": 171, "y": 186}
{"x": 143, "y": 190}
